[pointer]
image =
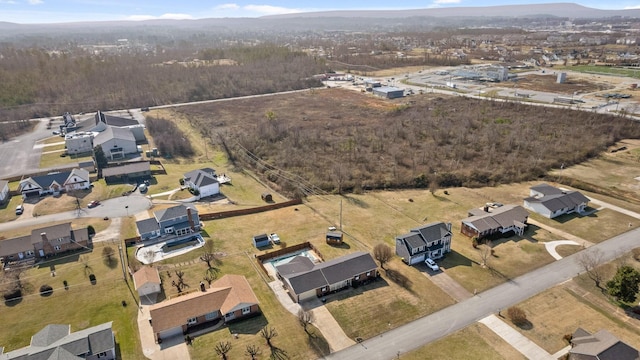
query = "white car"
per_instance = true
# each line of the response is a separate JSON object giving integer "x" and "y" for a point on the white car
{"x": 274, "y": 238}
{"x": 431, "y": 264}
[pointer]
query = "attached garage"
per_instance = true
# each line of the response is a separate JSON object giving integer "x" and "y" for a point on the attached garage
{"x": 170, "y": 332}
{"x": 417, "y": 259}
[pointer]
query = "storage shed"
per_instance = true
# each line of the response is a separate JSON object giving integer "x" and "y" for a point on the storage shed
{"x": 267, "y": 197}
{"x": 261, "y": 240}
{"x": 334, "y": 238}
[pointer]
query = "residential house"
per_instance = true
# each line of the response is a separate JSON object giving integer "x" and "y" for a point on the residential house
{"x": 428, "y": 241}
{"x": 116, "y": 143}
{"x": 495, "y": 221}
{"x": 204, "y": 181}
{"x": 303, "y": 279}
{"x": 549, "y": 201}
{"x": 229, "y": 298}
{"x": 130, "y": 172}
{"x": 44, "y": 242}
{"x": 261, "y": 240}
{"x": 4, "y": 191}
{"x": 600, "y": 346}
{"x": 177, "y": 220}
{"x": 55, "y": 183}
{"x": 147, "y": 281}
{"x": 58, "y": 342}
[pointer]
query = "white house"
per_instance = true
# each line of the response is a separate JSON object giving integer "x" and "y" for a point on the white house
{"x": 55, "y": 183}
{"x": 147, "y": 281}
{"x": 203, "y": 180}
{"x": 551, "y": 202}
{"x": 116, "y": 142}
{"x": 4, "y": 191}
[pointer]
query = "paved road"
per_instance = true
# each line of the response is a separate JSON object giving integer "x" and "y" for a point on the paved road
{"x": 19, "y": 155}
{"x": 116, "y": 207}
{"x": 453, "y": 318}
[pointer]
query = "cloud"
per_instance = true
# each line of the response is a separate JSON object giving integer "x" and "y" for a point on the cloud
{"x": 163, "y": 16}
{"x": 227, "y": 7}
{"x": 270, "y": 10}
{"x": 35, "y": 2}
{"x": 7, "y": 2}
{"x": 438, "y": 3}
{"x": 632, "y": 7}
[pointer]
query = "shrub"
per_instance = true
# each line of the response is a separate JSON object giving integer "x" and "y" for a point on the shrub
{"x": 474, "y": 242}
{"x": 13, "y": 294}
{"x": 46, "y": 290}
{"x": 66, "y": 284}
{"x": 567, "y": 338}
{"x": 636, "y": 254}
{"x": 91, "y": 230}
{"x": 517, "y": 316}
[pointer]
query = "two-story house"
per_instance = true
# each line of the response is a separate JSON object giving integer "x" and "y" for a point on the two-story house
{"x": 428, "y": 241}
{"x": 177, "y": 220}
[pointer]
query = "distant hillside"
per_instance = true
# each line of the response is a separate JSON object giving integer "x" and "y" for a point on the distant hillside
{"x": 569, "y": 10}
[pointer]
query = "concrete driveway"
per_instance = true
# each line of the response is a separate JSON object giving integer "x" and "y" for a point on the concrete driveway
{"x": 171, "y": 349}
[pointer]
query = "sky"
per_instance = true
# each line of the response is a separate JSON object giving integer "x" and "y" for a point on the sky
{"x": 56, "y": 11}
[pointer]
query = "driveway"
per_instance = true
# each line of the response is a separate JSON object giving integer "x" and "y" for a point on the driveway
{"x": 453, "y": 318}
{"x": 171, "y": 349}
{"x": 449, "y": 285}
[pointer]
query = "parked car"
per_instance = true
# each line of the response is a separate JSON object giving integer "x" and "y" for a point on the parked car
{"x": 142, "y": 188}
{"x": 56, "y": 132}
{"x": 274, "y": 238}
{"x": 94, "y": 203}
{"x": 19, "y": 209}
{"x": 431, "y": 264}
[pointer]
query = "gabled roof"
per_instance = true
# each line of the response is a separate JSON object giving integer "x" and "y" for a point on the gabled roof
{"x": 114, "y": 120}
{"x": 502, "y": 217}
{"x": 53, "y": 232}
{"x": 55, "y": 342}
{"x": 201, "y": 177}
{"x": 555, "y": 199}
{"x": 433, "y": 231}
{"x": 174, "y": 212}
{"x": 146, "y": 275}
{"x": 147, "y": 225}
{"x": 44, "y": 181}
{"x": 602, "y": 345}
{"x": 226, "y": 294}
{"x": 113, "y": 133}
{"x": 127, "y": 169}
{"x": 327, "y": 273}
{"x": 546, "y": 189}
{"x": 298, "y": 264}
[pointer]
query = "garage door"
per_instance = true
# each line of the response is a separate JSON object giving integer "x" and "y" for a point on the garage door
{"x": 171, "y": 332}
{"x": 417, "y": 259}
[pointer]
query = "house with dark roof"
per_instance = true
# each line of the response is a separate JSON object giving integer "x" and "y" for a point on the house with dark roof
{"x": 102, "y": 121}
{"x": 204, "y": 181}
{"x": 303, "y": 279}
{"x": 602, "y": 345}
{"x": 500, "y": 221}
{"x": 44, "y": 242}
{"x": 550, "y": 201}
{"x": 147, "y": 281}
{"x": 55, "y": 183}
{"x": 4, "y": 191}
{"x": 129, "y": 172}
{"x": 428, "y": 241}
{"x": 229, "y": 298}
{"x": 177, "y": 220}
{"x": 59, "y": 343}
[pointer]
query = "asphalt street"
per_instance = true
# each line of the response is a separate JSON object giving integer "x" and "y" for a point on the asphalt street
{"x": 453, "y": 318}
{"x": 18, "y": 155}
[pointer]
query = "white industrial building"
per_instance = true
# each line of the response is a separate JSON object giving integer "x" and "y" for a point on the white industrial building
{"x": 79, "y": 142}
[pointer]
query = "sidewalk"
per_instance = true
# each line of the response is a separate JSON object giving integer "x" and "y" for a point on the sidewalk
{"x": 615, "y": 208}
{"x": 519, "y": 342}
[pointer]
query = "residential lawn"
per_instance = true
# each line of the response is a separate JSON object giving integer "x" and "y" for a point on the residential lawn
{"x": 128, "y": 227}
{"x": 83, "y": 305}
{"x": 566, "y": 250}
{"x": 98, "y": 224}
{"x": 476, "y": 339}
{"x": 54, "y": 159}
{"x": 8, "y": 209}
{"x": 102, "y": 191}
{"x": 52, "y": 140}
{"x": 597, "y": 227}
{"x": 558, "y": 311}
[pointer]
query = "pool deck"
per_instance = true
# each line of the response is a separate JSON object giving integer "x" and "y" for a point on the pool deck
{"x": 161, "y": 255}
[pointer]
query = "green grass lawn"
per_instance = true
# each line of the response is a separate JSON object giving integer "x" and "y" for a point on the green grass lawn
{"x": 54, "y": 159}
{"x": 609, "y": 70}
{"x": 83, "y": 305}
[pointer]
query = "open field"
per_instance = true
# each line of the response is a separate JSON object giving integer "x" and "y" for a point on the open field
{"x": 476, "y": 338}
{"x": 547, "y": 83}
{"x": 608, "y": 70}
{"x": 82, "y": 305}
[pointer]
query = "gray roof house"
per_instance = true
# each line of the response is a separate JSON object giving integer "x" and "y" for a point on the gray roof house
{"x": 116, "y": 142}
{"x": 204, "y": 180}
{"x": 551, "y": 202}
{"x": 602, "y": 345}
{"x": 58, "y": 342}
{"x": 55, "y": 183}
{"x": 44, "y": 242}
{"x": 428, "y": 241}
{"x": 498, "y": 221}
{"x": 102, "y": 121}
{"x": 177, "y": 220}
{"x": 303, "y": 279}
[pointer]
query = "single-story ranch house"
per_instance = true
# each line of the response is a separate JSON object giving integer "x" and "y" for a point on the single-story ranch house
{"x": 204, "y": 181}
{"x": 599, "y": 346}
{"x": 428, "y": 241}
{"x": 551, "y": 202}
{"x": 499, "y": 221}
{"x": 55, "y": 183}
{"x": 58, "y": 342}
{"x": 229, "y": 298}
{"x": 303, "y": 279}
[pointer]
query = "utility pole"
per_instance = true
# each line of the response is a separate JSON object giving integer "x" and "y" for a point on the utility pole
{"x": 124, "y": 274}
{"x": 340, "y": 214}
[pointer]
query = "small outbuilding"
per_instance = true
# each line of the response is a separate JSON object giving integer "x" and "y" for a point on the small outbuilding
{"x": 261, "y": 240}
{"x": 267, "y": 197}
{"x": 334, "y": 238}
{"x": 147, "y": 281}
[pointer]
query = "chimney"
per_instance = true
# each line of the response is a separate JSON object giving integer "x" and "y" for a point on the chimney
{"x": 190, "y": 217}
{"x": 43, "y": 235}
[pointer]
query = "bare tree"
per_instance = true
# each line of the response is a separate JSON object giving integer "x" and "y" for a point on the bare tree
{"x": 382, "y": 253}
{"x": 222, "y": 348}
{"x": 208, "y": 253}
{"x": 84, "y": 259}
{"x": 268, "y": 333}
{"x": 180, "y": 284}
{"x": 485, "y": 252}
{"x": 589, "y": 261}
{"x": 210, "y": 275}
{"x": 149, "y": 255}
{"x": 252, "y": 351}
{"x": 305, "y": 318}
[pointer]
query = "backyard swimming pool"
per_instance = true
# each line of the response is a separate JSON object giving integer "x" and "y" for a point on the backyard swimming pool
{"x": 167, "y": 249}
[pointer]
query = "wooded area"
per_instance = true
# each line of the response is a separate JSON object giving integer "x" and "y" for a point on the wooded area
{"x": 341, "y": 140}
